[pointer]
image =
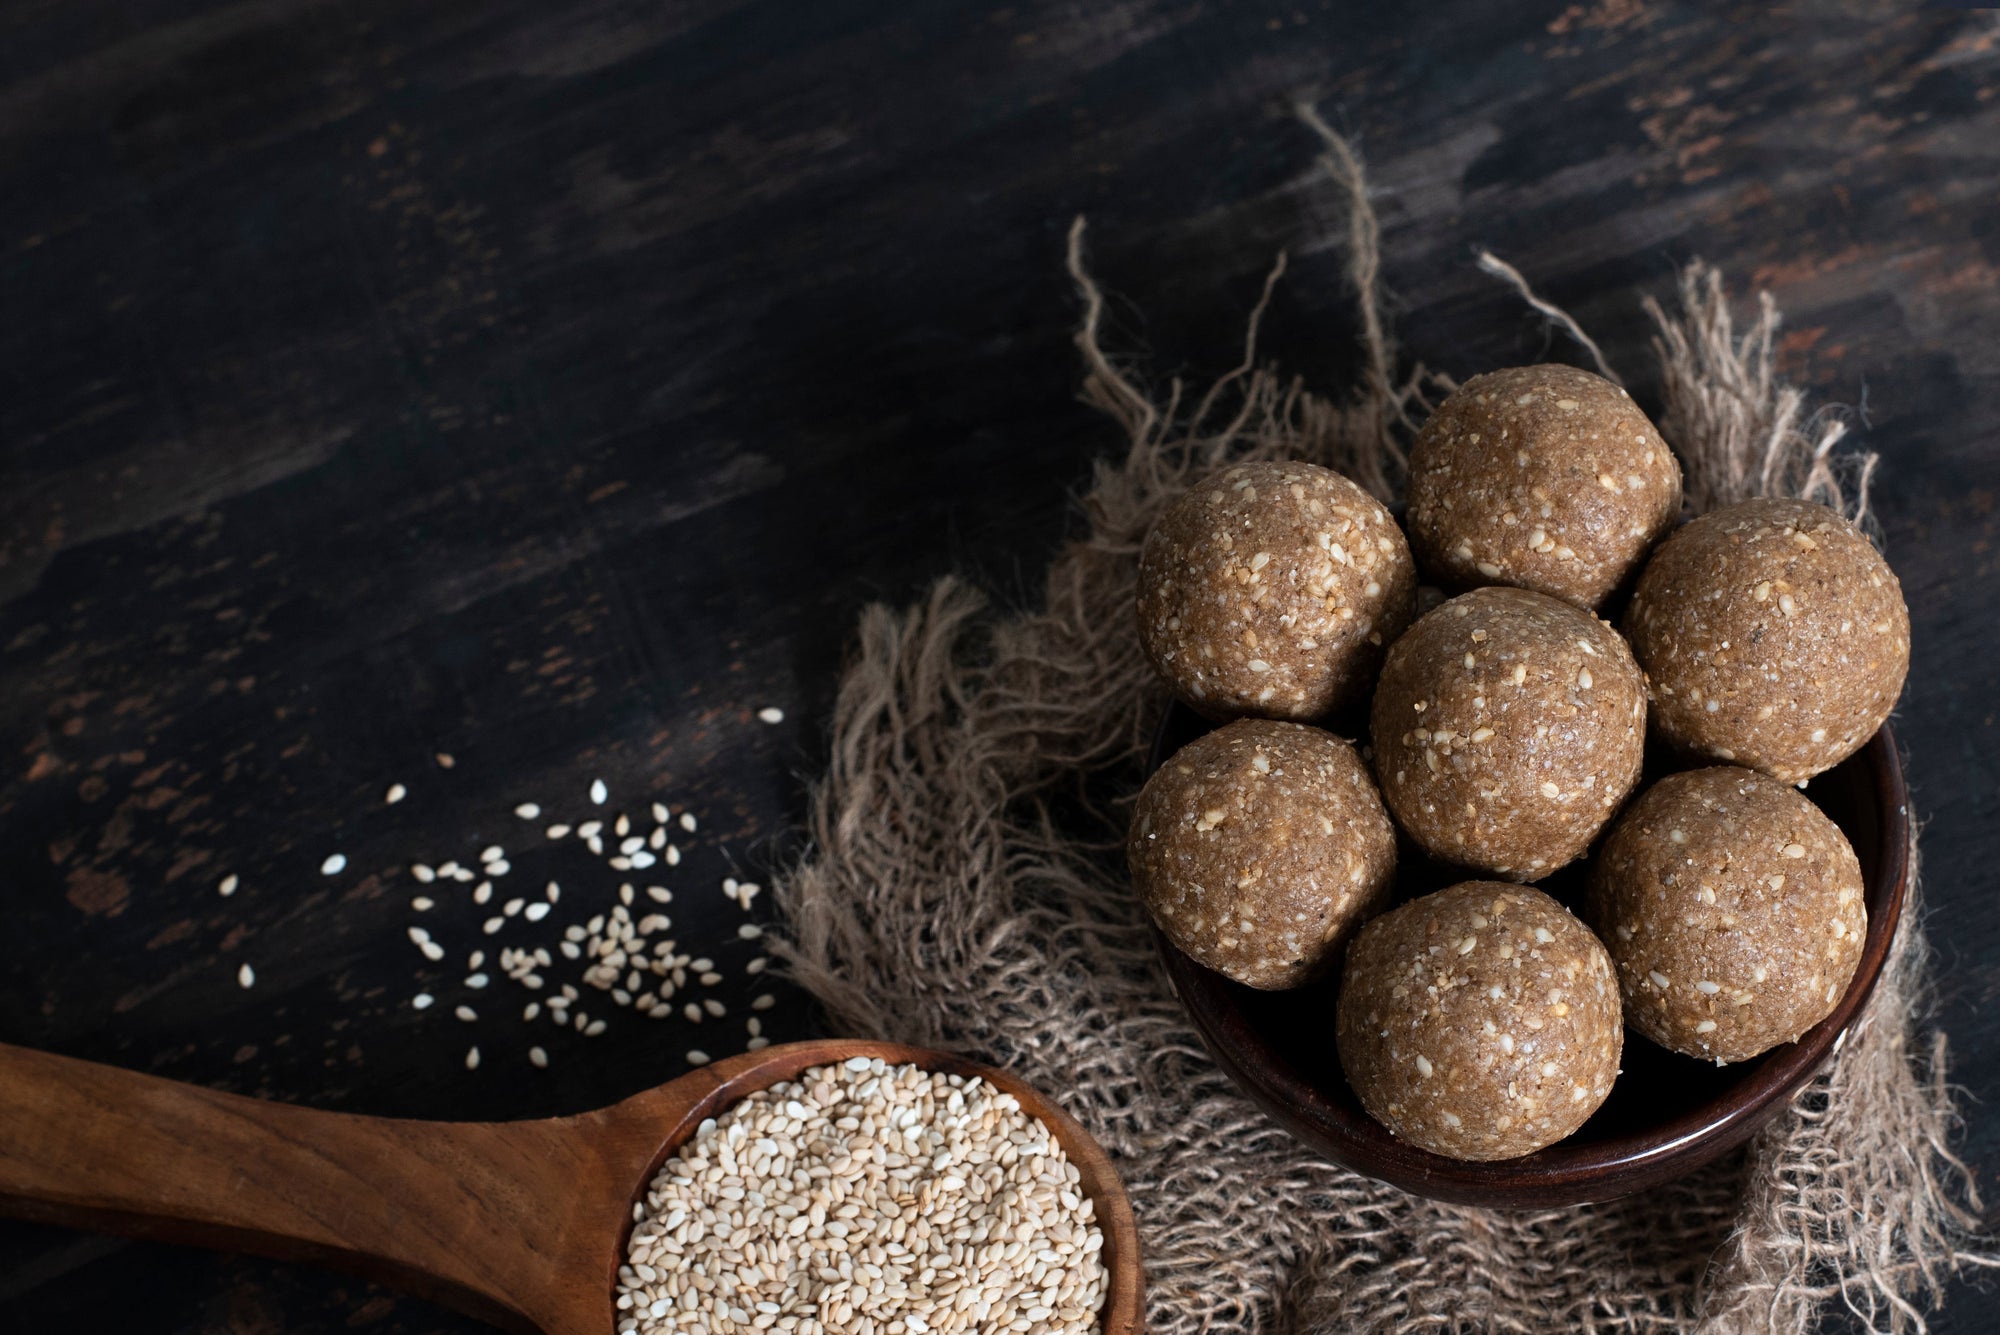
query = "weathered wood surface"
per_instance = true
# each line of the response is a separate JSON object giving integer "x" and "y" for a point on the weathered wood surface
{"x": 548, "y": 385}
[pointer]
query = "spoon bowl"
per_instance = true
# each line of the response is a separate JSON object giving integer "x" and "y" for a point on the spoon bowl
{"x": 522, "y": 1224}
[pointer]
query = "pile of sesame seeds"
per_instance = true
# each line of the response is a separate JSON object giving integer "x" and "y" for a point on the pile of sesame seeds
{"x": 587, "y": 946}
{"x": 865, "y": 1198}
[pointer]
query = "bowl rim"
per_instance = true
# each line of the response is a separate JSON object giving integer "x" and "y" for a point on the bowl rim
{"x": 1569, "y": 1172}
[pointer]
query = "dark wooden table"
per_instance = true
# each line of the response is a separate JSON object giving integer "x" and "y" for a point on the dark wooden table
{"x": 549, "y": 385}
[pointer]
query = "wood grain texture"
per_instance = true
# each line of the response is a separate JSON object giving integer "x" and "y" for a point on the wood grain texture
{"x": 550, "y": 384}
{"x": 523, "y": 1224}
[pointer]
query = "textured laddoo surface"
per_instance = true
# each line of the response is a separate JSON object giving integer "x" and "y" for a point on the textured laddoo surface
{"x": 1541, "y": 477}
{"x": 1479, "y": 1022}
{"x": 1733, "y": 909}
{"x": 1271, "y": 589}
{"x": 1507, "y": 727}
{"x": 1259, "y": 847}
{"x": 1773, "y": 634}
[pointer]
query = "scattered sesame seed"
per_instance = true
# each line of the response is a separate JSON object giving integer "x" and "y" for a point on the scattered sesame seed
{"x": 1795, "y": 850}
{"x": 423, "y": 903}
{"x": 771, "y": 714}
{"x": 537, "y": 1057}
{"x": 557, "y": 831}
{"x": 472, "y": 1058}
{"x": 1705, "y": 1027}
{"x": 421, "y": 1001}
{"x": 1424, "y": 1067}
{"x": 696, "y": 1057}
{"x": 476, "y": 981}
{"x": 599, "y": 794}
{"x": 763, "y": 1001}
{"x": 395, "y": 794}
{"x": 757, "y": 1044}
{"x": 334, "y": 865}
{"x": 528, "y": 811}
{"x": 757, "y": 965}
{"x": 246, "y": 976}
{"x": 536, "y": 912}
{"x": 687, "y": 821}
{"x": 1659, "y": 979}
{"x": 228, "y": 886}
{"x": 749, "y": 931}
{"x": 432, "y": 951}
{"x": 466, "y": 1013}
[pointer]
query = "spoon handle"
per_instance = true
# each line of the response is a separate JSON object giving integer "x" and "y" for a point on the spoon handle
{"x": 469, "y": 1214}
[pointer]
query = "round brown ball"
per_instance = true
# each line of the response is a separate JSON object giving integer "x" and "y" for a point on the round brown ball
{"x": 1542, "y": 477}
{"x": 1258, "y": 849}
{"x": 1508, "y": 726}
{"x": 1480, "y": 1022}
{"x": 1270, "y": 589}
{"x": 1774, "y": 636}
{"x": 1733, "y": 909}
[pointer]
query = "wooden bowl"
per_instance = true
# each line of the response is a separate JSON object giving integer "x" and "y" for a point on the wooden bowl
{"x": 1667, "y": 1115}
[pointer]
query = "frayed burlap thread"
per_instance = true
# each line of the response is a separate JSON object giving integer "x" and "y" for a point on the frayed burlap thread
{"x": 965, "y": 889}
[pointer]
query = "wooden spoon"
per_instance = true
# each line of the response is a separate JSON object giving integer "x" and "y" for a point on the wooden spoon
{"x": 522, "y": 1224}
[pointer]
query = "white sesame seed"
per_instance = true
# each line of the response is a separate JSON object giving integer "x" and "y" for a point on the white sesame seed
{"x": 763, "y": 1001}
{"x": 395, "y": 794}
{"x": 423, "y": 903}
{"x": 432, "y": 951}
{"x": 444, "y": 760}
{"x": 599, "y": 794}
{"x": 696, "y": 1057}
{"x": 593, "y": 1029}
{"x": 421, "y": 1001}
{"x": 528, "y": 811}
{"x": 472, "y": 1058}
{"x": 246, "y": 976}
{"x": 771, "y": 714}
{"x": 757, "y": 1044}
{"x": 1423, "y": 1065}
{"x": 483, "y": 892}
{"x": 749, "y": 931}
{"x": 1659, "y": 979}
{"x": 557, "y": 831}
{"x": 1705, "y": 1027}
{"x": 1795, "y": 850}
{"x": 476, "y": 981}
{"x": 1705, "y": 986}
{"x": 537, "y": 1057}
{"x": 687, "y": 821}
{"x": 497, "y": 867}
{"x": 334, "y": 865}
{"x": 659, "y": 894}
{"x": 227, "y": 887}
{"x": 536, "y": 912}
{"x": 757, "y": 965}
{"x": 466, "y": 1013}
{"x": 423, "y": 873}
{"x": 492, "y": 853}
{"x": 492, "y": 925}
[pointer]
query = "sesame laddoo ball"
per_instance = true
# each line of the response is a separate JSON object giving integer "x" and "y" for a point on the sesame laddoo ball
{"x": 1271, "y": 589}
{"x": 1508, "y": 726}
{"x": 1774, "y": 635}
{"x": 1733, "y": 910}
{"x": 1541, "y": 477}
{"x": 1258, "y": 849}
{"x": 1479, "y": 1022}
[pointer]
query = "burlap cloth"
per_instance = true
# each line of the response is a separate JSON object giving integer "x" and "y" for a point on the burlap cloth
{"x": 966, "y": 889}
